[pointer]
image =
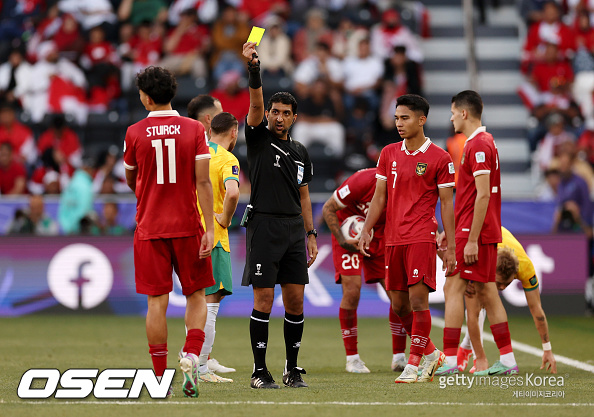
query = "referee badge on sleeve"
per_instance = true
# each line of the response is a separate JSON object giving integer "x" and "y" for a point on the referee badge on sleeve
{"x": 235, "y": 170}
{"x": 299, "y": 174}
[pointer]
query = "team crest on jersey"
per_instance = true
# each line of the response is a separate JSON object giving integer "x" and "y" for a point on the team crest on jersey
{"x": 235, "y": 170}
{"x": 299, "y": 174}
{"x": 421, "y": 168}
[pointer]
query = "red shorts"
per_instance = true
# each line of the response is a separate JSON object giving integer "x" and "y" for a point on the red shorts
{"x": 351, "y": 263}
{"x": 406, "y": 265}
{"x": 155, "y": 260}
{"x": 482, "y": 270}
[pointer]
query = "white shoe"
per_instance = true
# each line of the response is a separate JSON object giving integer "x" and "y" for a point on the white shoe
{"x": 357, "y": 366}
{"x": 215, "y": 366}
{"x": 430, "y": 366}
{"x": 210, "y": 376}
{"x": 408, "y": 376}
{"x": 399, "y": 364}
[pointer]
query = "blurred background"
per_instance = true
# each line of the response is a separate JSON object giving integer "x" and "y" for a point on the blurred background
{"x": 67, "y": 95}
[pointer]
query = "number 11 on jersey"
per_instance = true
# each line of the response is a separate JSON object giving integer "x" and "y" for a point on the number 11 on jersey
{"x": 170, "y": 144}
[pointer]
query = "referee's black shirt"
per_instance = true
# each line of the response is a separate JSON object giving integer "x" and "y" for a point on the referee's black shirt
{"x": 278, "y": 168}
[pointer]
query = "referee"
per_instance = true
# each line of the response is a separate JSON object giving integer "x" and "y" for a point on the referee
{"x": 279, "y": 171}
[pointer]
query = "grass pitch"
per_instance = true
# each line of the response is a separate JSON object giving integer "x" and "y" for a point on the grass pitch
{"x": 119, "y": 342}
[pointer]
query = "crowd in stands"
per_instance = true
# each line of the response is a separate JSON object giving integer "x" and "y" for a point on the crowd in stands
{"x": 62, "y": 62}
{"x": 558, "y": 65}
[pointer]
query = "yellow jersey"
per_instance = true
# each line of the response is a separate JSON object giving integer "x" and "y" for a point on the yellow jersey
{"x": 526, "y": 273}
{"x": 224, "y": 166}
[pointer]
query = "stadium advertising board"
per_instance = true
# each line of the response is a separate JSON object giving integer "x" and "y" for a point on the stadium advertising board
{"x": 96, "y": 275}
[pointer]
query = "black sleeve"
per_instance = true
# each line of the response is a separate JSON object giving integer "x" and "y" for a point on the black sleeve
{"x": 253, "y": 134}
{"x": 307, "y": 166}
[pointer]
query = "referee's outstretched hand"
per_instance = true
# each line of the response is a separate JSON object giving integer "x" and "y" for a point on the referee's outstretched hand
{"x": 249, "y": 50}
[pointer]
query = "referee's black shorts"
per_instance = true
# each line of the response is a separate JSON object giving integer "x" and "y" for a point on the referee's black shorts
{"x": 275, "y": 252}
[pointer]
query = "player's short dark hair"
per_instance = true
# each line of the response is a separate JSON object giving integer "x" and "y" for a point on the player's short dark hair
{"x": 223, "y": 122}
{"x": 284, "y": 98}
{"x": 200, "y": 104}
{"x": 507, "y": 263}
{"x": 158, "y": 83}
{"x": 469, "y": 100}
{"x": 414, "y": 102}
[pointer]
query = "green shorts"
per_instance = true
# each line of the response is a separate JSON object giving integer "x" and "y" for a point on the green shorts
{"x": 221, "y": 270}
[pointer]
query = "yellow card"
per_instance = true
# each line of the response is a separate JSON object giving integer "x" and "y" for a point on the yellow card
{"x": 256, "y": 35}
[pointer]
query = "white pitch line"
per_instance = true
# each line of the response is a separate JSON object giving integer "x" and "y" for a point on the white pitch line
{"x": 523, "y": 347}
{"x": 340, "y": 403}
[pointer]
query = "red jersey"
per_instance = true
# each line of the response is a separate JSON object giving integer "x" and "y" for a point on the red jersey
{"x": 9, "y": 176}
{"x": 413, "y": 182}
{"x": 22, "y": 141}
{"x": 354, "y": 198}
{"x": 163, "y": 148}
{"x": 480, "y": 157}
{"x": 192, "y": 40}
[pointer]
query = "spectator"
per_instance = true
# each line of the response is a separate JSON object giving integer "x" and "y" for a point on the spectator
{"x": 92, "y": 13}
{"x": 549, "y": 30}
{"x": 13, "y": 175}
{"x": 390, "y": 33}
{"x": 101, "y": 61}
{"x": 63, "y": 30}
{"x": 362, "y": 76}
{"x": 110, "y": 178}
{"x": 76, "y": 201}
{"x": 531, "y": 10}
{"x": 308, "y": 38}
{"x": 275, "y": 49}
{"x": 138, "y": 11}
{"x": 18, "y": 134}
{"x": 33, "y": 220}
{"x": 583, "y": 66}
{"x": 320, "y": 65}
{"x": 585, "y": 144}
{"x": 12, "y": 73}
{"x": 259, "y": 11}
{"x": 185, "y": 47}
{"x": 234, "y": 98}
{"x": 401, "y": 76}
{"x": 574, "y": 211}
{"x": 139, "y": 50}
{"x": 346, "y": 38}
{"x": 206, "y": 10}
{"x": 556, "y": 135}
{"x": 319, "y": 122}
{"x": 63, "y": 141}
{"x": 229, "y": 33}
{"x": 55, "y": 85}
{"x": 49, "y": 177}
{"x": 110, "y": 225}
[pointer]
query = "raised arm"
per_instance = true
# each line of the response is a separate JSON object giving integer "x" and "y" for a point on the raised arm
{"x": 256, "y": 111}
{"x": 540, "y": 320}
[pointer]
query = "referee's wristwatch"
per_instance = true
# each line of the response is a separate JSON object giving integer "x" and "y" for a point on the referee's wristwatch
{"x": 313, "y": 232}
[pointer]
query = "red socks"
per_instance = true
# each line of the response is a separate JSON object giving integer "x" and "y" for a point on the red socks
{"x": 159, "y": 356}
{"x": 421, "y": 327}
{"x": 194, "y": 341}
{"x": 502, "y": 337}
{"x": 348, "y": 325}
{"x": 451, "y": 340}
{"x": 398, "y": 333}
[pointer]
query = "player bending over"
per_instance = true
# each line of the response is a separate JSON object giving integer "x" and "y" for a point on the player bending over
{"x": 352, "y": 198}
